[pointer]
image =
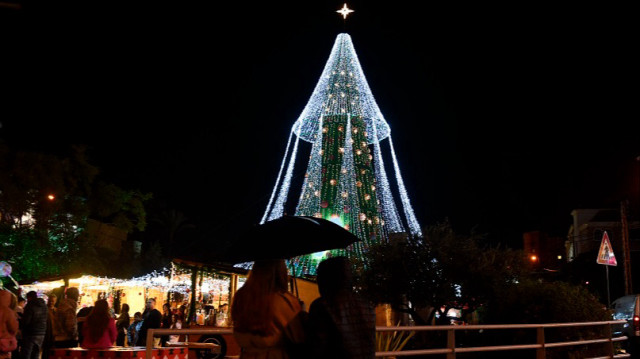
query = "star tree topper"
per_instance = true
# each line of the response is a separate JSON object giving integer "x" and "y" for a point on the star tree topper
{"x": 344, "y": 11}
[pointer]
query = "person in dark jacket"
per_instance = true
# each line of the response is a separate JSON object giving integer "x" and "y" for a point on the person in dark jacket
{"x": 122, "y": 324}
{"x": 151, "y": 319}
{"x": 341, "y": 324}
{"x": 33, "y": 326}
{"x": 81, "y": 318}
{"x": 165, "y": 322}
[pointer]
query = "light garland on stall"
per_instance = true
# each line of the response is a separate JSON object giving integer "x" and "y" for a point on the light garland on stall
{"x": 175, "y": 280}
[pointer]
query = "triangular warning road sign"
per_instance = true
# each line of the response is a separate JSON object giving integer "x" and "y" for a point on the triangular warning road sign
{"x": 605, "y": 254}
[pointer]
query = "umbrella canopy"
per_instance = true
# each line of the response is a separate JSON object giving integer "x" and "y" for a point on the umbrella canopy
{"x": 288, "y": 237}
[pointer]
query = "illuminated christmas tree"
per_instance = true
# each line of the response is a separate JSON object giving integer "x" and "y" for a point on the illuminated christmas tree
{"x": 345, "y": 181}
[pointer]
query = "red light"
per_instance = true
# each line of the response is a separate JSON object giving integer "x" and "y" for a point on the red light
{"x": 533, "y": 258}
{"x": 636, "y": 318}
{"x": 51, "y": 197}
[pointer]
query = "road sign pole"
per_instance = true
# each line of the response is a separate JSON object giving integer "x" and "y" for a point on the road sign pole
{"x": 608, "y": 294}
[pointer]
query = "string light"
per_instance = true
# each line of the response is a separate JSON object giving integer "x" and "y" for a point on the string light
{"x": 175, "y": 280}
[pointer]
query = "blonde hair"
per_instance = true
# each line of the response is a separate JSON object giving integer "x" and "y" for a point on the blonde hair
{"x": 252, "y": 308}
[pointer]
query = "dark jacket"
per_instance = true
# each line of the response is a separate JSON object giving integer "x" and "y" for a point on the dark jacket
{"x": 341, "y": 324}
{"x": 150, "y": 320}
{"x": 34, "y": 319}
{"x": 342, "y": 327}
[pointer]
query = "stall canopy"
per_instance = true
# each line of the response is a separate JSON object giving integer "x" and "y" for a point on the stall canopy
{"x": 200, "y": 287}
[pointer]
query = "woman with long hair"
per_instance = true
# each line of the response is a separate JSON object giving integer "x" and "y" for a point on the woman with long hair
{"x": 99, "y": 330}
{"x": 267, "y": 319}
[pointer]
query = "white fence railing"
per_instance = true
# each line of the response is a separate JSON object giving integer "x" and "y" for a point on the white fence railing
{"x": 451, "y": 349}
{"x": 539, "y": 346}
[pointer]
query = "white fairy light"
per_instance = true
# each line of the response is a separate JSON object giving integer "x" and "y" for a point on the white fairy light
{"x": 414, "y": 226}
{"x": 389, "y": 211}
{"x": 278, "y": 208}
{"x": 273, "y": 193}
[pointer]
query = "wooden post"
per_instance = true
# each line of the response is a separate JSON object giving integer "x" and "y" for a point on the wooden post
{"x": 540, "y": 352}
{"x": 451, "y": 344}
{"x": 233, "y": 287}
{"x": 192, "y": 304}
{"x": 149, "y": 345}
{"x": 610, "y": 350}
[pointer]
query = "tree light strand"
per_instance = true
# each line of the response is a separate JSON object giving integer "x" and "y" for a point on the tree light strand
{"x": 275, "y": 188}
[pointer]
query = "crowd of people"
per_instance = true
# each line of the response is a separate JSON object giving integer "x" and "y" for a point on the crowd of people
{"x": 30, "y": 327}
{"x": 268, "y": 321}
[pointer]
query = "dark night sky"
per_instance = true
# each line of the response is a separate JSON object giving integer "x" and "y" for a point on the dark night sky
{"x": 505, "y": 117}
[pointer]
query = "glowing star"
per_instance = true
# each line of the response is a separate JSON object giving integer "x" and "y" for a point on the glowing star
{"x": 344, "y": 11}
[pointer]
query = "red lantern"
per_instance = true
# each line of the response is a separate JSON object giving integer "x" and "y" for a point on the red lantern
{"x": 123, "y": 295}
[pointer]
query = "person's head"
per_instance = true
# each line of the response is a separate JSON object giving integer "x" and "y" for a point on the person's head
{"x": 137, "y": 316}
{"x": 31, "y": 296}
{"x": 269, "y": 275}
{"x": 101, "y": 306}
{"x": 182, "y": 309}
{"x": 223, "y": 307}
{"x": 98, "y": 319}
{"x": 52, "y": 300}
{"x": 334, "y": 275}
{"x": 73, "y": 293}
{"x": 166, "y": 309}
{"x": 21, "y": 302}
{"x": 124, "y": 308}
{"x": 252, "y": 309}
{"x": 151, "y": 303}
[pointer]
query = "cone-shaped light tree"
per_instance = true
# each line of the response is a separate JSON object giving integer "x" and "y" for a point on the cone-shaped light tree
{"x": 345, "y": 181}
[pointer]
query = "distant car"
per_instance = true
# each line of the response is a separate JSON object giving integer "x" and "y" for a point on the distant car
{"x": 627, "y": 308}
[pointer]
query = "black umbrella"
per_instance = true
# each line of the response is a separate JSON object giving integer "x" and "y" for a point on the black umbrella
{"x": 288, "y": 237}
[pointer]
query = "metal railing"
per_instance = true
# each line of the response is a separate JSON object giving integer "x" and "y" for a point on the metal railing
{"x": 451, "y": 349}
{"x": 151, "y": 333}
{"x": 540, "y": 346}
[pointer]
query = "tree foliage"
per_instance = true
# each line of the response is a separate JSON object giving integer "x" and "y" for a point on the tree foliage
{"x": 45, "y": 202}
{"x": 444, "y": 270}
{"x": 441, "y": 270}
{"x": 535, "y": 301}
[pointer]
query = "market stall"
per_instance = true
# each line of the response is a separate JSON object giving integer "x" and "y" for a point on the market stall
{"x": 202, "y": 290}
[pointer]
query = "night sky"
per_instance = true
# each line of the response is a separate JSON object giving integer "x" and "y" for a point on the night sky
{"x": 504, "y": 117}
